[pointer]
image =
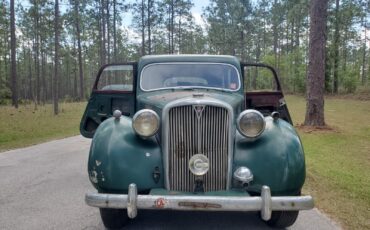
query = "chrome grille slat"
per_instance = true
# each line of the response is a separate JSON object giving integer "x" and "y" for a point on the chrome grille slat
{"x": 187, "y": 136}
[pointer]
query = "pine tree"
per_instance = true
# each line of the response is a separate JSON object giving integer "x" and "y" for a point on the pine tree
{"x": 316, "y": 66}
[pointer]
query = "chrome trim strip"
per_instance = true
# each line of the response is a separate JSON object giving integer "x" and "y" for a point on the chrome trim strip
{"x": 264, "y": 203}
{"x": 190, "y": 87}
{"x": 197, "y": 101}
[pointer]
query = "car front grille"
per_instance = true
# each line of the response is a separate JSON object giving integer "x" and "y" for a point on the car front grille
{"x": 198, "y": 129}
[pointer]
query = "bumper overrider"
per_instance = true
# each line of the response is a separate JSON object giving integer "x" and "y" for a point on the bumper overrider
{"x": 264, "y": 203}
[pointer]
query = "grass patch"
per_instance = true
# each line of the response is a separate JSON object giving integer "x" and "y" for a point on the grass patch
{"x": 338, "y": 159}
{"x": 26, "y": 126}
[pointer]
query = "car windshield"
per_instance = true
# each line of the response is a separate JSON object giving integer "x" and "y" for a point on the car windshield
{"x": 188, "y": 75}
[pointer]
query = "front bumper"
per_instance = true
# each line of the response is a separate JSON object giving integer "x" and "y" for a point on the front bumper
{"x": 265, "y": 203}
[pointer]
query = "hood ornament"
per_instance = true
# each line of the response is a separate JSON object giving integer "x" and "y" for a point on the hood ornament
{"x": 199, "y": 110}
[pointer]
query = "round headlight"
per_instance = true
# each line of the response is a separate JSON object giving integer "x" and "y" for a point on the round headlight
{"x": 145, "y": 123}
{"x": 251, "y": 123}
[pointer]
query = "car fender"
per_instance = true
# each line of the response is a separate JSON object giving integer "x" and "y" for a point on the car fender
{"x": 119, "y": 157}
{"x": 276, "y": 158}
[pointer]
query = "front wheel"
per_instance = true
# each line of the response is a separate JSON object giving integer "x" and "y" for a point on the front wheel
{"x": 282, "y": 219}
{"x": 114, "y": 218}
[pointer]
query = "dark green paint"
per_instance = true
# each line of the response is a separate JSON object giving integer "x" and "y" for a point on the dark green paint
{"x": 101, "y": 107}
{"x": 118, "y": 156}
{"x": 157, "y": 100}
{"x": 276, "y": 158}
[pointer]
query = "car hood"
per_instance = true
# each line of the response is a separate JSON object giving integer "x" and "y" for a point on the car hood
{"x": 157, "y": 100}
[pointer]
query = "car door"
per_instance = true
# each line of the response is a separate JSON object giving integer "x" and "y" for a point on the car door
{"x": 114, "y": 89}
{"x": 263, "y": 90}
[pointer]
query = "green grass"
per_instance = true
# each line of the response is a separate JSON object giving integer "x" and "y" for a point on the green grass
{"x": 338, "y": 160}
{"x": 27, "y": 126}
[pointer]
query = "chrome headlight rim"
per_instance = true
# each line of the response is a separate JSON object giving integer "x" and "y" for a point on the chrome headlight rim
{"x": 140, "y": 112}
{"x": 242, "y": 114}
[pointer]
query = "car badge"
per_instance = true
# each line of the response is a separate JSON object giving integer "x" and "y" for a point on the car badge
{"x": 199, "y": 110}
{"x": 198, "y": 94}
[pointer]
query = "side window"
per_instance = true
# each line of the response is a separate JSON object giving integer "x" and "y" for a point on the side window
{"x": 259, "y": 78}
{"x": 116, "y": 78}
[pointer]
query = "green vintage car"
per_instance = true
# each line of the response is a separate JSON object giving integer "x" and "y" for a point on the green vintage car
{"x": 192, "y": 132}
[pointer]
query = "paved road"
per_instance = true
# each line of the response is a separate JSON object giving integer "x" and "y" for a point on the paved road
{"x": 43, "y": 187}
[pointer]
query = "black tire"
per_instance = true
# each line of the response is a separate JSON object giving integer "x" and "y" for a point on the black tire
{"x": 114, "y": 218}
{"x": 282, "y": 219}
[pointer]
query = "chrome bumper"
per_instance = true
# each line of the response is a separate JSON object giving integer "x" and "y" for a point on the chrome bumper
{"x": 265, "y": 203}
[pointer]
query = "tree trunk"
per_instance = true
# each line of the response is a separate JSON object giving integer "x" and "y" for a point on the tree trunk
{"x": 75, "y": 78}
{"x": 275, "y": 38}
{"x": 297, "y": 57}
{"x": 328, "y": 67}
{"x": 264, "y": 34}
{"x": 79, "y": 49}
{"x": 316, "y": 66}
{"x": 142, "y": 28}
{"x": 108, "y": 30}
{"x": 56, "y": 58}
{"x": 30, "y": 97}
{"x": 344, "y": 59}
{"x": 13, "y": 56}
{"x": 336, "y": 48}
{"x": 363, "y": 72}
{"x": 172, "y": 24}
{"x": 114, "y": 32}
{"x": 169, "y": 29}
{"x": 37, "y": 53}
{"x": 149, "y": 26}
{"x": 104, "y": 42}
{"x": 102, "y": 32}
{"x": 255, "y": 75}
{"x": 43, "y": 78}
{"x": 179, "y": 35}
{"x": 66, "y": 70}
{"x": 24, "y": 70}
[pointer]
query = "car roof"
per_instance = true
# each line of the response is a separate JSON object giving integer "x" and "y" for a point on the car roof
{"x": 149, "y": 59}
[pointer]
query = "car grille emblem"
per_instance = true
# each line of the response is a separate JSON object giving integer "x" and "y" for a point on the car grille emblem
{"x": 199, "y": 110}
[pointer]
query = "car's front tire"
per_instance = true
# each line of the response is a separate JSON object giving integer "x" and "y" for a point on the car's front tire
{"x": 113, "y": 218}
{"x": 282, "y": 219}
